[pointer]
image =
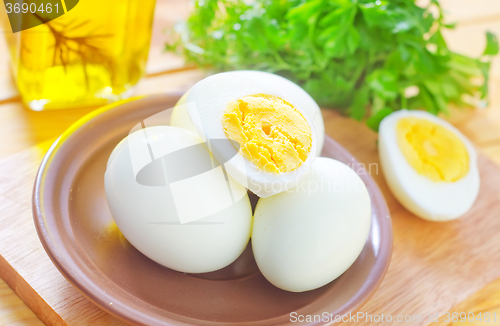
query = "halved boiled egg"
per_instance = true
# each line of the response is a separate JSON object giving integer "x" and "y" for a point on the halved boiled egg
{"x": 430, "y": 167}
{"x": 257, "y": 125}
{"x": 295, "y": 94}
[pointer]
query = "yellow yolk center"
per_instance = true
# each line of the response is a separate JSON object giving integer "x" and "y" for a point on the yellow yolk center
{"x": 271, "y": 133}
{"x": 432, "y": 150}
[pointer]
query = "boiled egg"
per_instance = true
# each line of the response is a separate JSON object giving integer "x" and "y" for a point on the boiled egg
{"x": 308, "y": 236}
{"x": 174, "y": 202}
{"x": 430, "y": 167}
{"x": 269, "y": 122}
{"x": 295, "y": 94}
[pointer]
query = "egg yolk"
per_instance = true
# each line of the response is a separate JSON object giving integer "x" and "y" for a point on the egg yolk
{"x": 432, "y": 150}
{"x": 271, "y": 132}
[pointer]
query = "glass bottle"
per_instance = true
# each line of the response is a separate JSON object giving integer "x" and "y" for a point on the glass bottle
{"x": 93, "y": 54}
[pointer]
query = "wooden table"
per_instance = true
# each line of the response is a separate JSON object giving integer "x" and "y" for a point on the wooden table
{"x": 21, "y": 128}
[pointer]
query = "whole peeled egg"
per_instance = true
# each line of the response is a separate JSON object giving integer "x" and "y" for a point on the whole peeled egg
{"x": 276, "y": 126}
{"x": 308, "y": 236}
{"x": 430, "y": 167}
{"x": 174, "y": 202}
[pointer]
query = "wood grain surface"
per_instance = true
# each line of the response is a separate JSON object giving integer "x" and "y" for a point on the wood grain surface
{"x": 450, "y": 285}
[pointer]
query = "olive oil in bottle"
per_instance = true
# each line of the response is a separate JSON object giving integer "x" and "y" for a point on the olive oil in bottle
{"x": 93, "y": 54}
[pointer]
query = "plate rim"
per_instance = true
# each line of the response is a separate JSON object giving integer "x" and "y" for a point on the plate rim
{"x": 135, "y": 316}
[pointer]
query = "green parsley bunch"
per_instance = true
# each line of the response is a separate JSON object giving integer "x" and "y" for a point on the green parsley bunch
{"x": 366, "y": 58}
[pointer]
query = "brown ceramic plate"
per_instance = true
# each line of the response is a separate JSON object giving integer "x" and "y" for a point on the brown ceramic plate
{"x": 76, "y": 228}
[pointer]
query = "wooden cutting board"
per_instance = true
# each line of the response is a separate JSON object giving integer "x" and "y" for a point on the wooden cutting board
{"x": 434, "y": 267}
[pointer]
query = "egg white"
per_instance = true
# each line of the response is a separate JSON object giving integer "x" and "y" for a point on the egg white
{"x": 207, "y": 101}
{"x": 180, "y": 116}
{"x": 430, "y": 200}
{"x": 308, "y": 236}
